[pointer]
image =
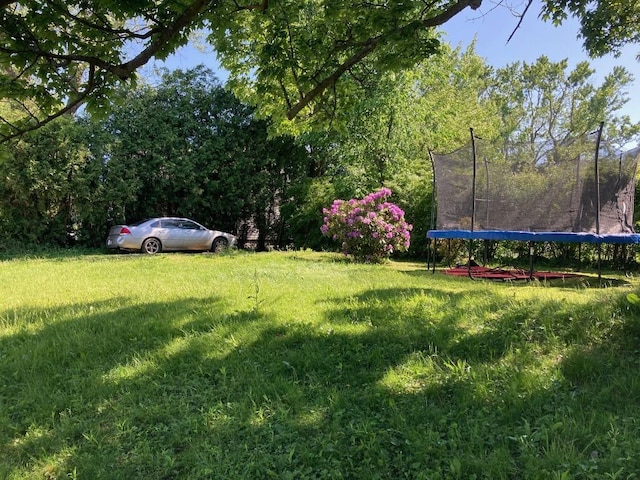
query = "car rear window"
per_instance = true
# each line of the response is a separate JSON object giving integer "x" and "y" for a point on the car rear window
{"x": 170, "y": 223}
{"x": 138, "y": 223}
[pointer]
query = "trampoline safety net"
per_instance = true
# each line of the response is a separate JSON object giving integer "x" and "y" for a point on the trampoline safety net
{"x": 519, "y": 189}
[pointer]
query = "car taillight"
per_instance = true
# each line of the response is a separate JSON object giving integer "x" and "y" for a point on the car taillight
{"x": 125, "y": 231}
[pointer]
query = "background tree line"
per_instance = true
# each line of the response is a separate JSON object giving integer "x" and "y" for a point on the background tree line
{"x": 189, "y": 147}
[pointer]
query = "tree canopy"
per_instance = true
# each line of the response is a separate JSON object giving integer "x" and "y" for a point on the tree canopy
{"x": 604, "y": 26}
{"x": 294, "y": 58}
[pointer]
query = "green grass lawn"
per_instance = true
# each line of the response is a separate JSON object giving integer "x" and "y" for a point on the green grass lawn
{"x": 304, "y": 366}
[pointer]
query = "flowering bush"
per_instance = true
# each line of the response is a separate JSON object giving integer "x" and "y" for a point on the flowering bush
{"x": 370, "y": 229}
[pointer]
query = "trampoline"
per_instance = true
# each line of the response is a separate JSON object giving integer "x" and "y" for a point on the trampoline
{"x": 583, "y": 192}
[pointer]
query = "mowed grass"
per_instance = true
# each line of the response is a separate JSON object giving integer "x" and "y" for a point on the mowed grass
{"x": 304, "y": 366}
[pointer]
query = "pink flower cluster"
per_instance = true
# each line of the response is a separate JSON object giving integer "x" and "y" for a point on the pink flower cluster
{"x": 370, "y": 229}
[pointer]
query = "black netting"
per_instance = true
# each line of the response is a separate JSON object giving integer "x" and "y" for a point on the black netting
{"x": 556, "y": 192}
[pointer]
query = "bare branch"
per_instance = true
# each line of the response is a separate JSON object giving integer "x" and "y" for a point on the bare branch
{"x": 520, "y": 21}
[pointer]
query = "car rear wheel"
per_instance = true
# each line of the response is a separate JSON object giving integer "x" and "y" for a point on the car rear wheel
{"x": 219, "y": 244}
{"x": 151, "y": 246}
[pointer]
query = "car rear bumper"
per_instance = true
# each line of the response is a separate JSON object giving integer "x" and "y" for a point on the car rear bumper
{"x": 119, "y": 242}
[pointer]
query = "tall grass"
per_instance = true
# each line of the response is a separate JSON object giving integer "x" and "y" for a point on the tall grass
{"x": 302, "y": 365}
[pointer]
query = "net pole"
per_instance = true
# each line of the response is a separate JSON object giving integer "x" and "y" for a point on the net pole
{"x": 597, "y": 180}
{"x": 486, "y": 209}
{"x": 430, "y": 241}
{"x": 597, "y": 175}
{"x": 473, "y": 199}
{"x": 487, "y": 195}
{"x": 473, "y": 181}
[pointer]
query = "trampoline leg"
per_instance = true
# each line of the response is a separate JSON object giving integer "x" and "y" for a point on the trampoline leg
{"x": 431, "y": 255}
{"x": 579, "y": 256}
{"x": 531, "y": 252}
{"x": 435, "y": 251}
{"x": 469, "y": 259}
{"x": 600, "y": 264}
{"x": 485, "y": 258}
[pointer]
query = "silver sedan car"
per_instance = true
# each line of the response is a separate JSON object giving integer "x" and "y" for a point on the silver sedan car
{"x": 166, "y": 234}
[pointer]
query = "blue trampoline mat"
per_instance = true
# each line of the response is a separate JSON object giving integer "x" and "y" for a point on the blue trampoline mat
{"x": 524, "y": 236}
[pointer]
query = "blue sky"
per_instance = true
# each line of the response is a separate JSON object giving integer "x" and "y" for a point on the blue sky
{"x": 491, "y": 27}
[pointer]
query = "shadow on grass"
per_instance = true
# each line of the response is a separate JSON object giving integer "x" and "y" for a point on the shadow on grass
{"x": 582, "y": 281}
{"x": 397, "y": 384}
{"x": 320, "y": 257}
{"x": 94, "y": 254}
{"x": 49, "y": 253}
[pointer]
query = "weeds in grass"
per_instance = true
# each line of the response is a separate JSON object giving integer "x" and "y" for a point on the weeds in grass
{"x": 255, "y": 297}
{"x": 115, "y": 367}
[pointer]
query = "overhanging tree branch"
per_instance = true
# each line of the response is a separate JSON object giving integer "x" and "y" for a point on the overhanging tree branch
{"x": 45, "y": 58}
{"x": 370, "y": 45}
{"x": 70, "y": 106}
{"x": 33, "y": 49}
{"x": 333, "y": 78}
{"x": 125, "y": 70}
{"x": 161, "y": 36}
{"x": 104, "y": 27}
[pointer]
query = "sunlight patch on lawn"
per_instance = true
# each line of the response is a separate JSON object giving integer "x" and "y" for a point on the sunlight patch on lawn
{"x": 311, "y": 418}
{"x": 137, "y": 367}
{"x": 34, "y": 434}
{"x": 37, "y": 441}
{"x": 417, "y": 373}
